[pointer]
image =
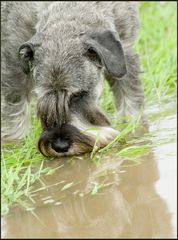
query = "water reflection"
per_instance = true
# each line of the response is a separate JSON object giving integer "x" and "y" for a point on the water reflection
{"x": 136, "y": 204}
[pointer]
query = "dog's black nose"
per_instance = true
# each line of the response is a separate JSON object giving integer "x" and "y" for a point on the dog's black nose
{"x": 60, "y": 145}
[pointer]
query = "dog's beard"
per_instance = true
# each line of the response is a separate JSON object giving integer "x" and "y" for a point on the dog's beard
{"x": 84, "y": 137}
{"x": 75, "y": 149}
{"x": 80, "y": 144}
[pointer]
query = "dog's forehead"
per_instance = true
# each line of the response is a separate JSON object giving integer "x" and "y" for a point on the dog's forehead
{"x": 65, "y": 35}
{"x": 59, "y": 48}
{"x": 62, "y": 55}
{"x": 62, "y": 71}
{"x": 61, "y": 60}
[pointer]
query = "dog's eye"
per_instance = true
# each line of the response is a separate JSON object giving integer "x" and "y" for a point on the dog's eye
{"x": 76, "y": 96}
{"x": 93, "y": 56}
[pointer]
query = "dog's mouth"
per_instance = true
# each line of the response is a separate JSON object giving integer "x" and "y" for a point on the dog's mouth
{"x": 69, "y": 140}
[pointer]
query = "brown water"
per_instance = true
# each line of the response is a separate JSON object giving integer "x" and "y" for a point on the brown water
{"x": 139, "y": 200}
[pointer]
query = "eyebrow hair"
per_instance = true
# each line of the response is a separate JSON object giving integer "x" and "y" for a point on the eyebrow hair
{"x": 52, "y": 108}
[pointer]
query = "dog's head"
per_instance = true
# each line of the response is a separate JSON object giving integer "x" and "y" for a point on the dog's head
{"x": 68, "y": 74}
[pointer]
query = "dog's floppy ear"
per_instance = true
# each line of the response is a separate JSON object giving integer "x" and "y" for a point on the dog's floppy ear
{"x": 26, "y": 52}
{"x": 104, "y": 49}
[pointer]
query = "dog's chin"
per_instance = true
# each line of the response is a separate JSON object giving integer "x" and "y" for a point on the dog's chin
{"x": 83, "y": 143}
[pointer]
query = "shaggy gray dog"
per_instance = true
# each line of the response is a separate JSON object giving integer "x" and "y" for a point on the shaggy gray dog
{"x": 63, "y": 52}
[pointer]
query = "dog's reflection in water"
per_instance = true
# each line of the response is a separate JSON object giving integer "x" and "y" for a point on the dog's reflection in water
{"x": 130, "y": 207}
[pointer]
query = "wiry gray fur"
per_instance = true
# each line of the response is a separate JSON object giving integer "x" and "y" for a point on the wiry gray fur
{"x": 67, "y": 84}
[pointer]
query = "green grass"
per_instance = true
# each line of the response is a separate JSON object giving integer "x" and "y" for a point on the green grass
{"x": 22, "y": 164}
{"x": 157, "y": 45}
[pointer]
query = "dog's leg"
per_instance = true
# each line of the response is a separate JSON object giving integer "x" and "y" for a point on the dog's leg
{"x": 14, "y": 101}
{"x": 128, "y": 91}
{"x": 17, "y": 27}
{"x": 14, "y": 118}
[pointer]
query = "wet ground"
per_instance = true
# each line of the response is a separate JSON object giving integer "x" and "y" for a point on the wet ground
{"x": 115, "y": 199}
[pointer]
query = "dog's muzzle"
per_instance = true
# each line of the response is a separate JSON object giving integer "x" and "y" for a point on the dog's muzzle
{"x": 69, "y": 140}
{"x": 64, "y": 141}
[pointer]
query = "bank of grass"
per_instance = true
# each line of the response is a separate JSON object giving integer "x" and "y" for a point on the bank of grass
{"x": 157, "y": 47}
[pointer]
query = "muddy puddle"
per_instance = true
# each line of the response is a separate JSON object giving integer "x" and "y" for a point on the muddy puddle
{"x": 115, "y": 199}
